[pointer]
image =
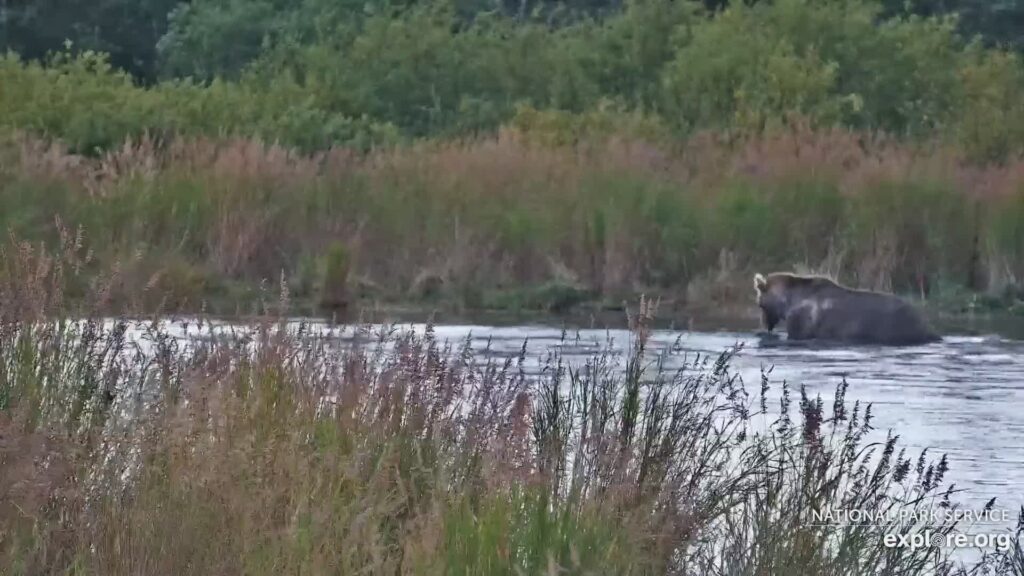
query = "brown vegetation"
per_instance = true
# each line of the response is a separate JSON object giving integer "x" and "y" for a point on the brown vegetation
{"x": 512, "y": 222}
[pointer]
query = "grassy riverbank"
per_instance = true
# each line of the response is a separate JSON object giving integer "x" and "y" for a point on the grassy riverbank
{"x": 511, "y": 222}
{"x": 401, "y": 455}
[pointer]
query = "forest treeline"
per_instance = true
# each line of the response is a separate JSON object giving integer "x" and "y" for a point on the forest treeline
{"x": 171, "y": 38}
{"x": 320, "y": 73}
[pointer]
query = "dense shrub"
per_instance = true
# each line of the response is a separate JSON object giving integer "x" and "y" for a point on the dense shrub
{"x": 321, "y": 78}
{"x": 92, "y": 107}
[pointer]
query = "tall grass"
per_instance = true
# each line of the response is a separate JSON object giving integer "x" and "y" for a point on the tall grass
{"x": 281, "y": 450}
{"x": 516, "y": 221}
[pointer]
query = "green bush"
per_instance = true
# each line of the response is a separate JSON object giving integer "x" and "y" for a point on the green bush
{"x": 736, "y": 71}
{"x": 828, "y": 61}
{"x": 317, "y": 74}
{"x": 92, "y": 107}
{"x": 990, "y": 124}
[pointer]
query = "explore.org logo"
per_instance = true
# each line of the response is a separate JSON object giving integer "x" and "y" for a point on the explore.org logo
{"x": 928, "y": 539}
{"x": 936, "y": 526}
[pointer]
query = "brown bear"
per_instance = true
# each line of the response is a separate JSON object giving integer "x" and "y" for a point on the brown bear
{"x": 817, "y": 308}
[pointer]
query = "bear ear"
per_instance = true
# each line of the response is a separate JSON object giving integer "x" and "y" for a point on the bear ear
{"x": 760, "y": 283}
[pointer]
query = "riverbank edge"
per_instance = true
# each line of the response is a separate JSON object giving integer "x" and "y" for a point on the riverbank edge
{"x": 960, "y": 312}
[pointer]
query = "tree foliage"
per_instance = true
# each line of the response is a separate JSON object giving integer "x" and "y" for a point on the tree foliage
{"x": 128, "y": 30}
{"x": 314, "y": 73}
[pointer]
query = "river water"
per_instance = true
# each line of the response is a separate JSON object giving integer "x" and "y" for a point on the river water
{"x": 963, "y": 396}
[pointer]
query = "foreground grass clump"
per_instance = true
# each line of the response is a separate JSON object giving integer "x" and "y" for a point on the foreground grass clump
{"x": 516, "y": 221}
{"x": 281, "y": 452}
